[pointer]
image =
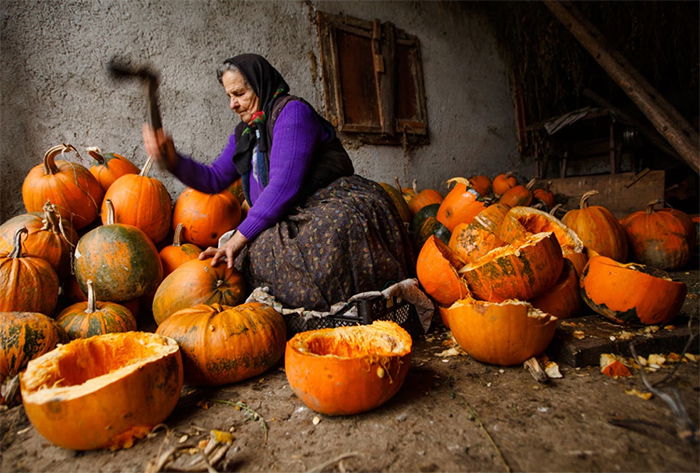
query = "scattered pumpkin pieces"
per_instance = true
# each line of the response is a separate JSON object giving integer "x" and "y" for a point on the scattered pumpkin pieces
{"x": 613, "y": 366}
{"x": 642, "y": 395}
{"x": 579, "y": 334}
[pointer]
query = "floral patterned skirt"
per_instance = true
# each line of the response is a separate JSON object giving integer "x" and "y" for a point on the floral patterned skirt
{"x": 344, "y": 239}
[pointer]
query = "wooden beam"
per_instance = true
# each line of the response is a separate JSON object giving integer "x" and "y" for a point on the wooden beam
{"x": 665, "y": 118}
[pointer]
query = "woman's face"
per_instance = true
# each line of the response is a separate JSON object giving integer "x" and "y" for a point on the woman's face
{"x": 242, "y": 100}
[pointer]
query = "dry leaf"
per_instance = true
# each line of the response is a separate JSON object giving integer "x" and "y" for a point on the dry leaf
{"x": 454, "y": 351}
{"x": 656, "y": 360}
{"x": 639, "y": 394}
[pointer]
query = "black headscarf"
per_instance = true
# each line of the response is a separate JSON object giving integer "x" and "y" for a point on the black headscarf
{"x": 268, "y": 84}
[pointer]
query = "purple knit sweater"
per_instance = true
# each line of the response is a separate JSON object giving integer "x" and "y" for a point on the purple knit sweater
{"x": 294, "y": 137}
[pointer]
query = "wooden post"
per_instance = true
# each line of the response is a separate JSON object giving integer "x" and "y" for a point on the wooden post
{"x": 665, "y": 118}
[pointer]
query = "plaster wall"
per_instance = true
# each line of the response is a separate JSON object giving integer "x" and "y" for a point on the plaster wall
{"x": 54, "y": 87}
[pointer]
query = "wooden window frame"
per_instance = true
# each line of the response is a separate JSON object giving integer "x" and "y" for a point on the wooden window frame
{"x": 384, "y": 38}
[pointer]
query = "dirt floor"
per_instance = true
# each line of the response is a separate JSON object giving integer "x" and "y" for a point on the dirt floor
{"x": 452, "y": 414}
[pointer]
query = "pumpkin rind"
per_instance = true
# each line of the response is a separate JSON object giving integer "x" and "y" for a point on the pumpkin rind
{"x": 423, "y": 198}
{"x": 598, "y": 229}
{"x": 141, "y": 201}
{"x": 348, "y": 370}
{"x": 69, "y": 186}
{"x": 205, "y": 217}
{"x": 504, "y": 334}
{"x": 460, "y": 205}
{"x": 121, "y": 261}
{"x": 631, "y": 293}
{"x": 29, "y": 284}
{"x": 198, "y": 282}
{"x": 90, "y": 318}
{"x": 521, "y": 271}
{"x": 436, "y": 269}
{"x": 563, "y": 300}
{"x": 658, "y": 238}
{"x": 223, "y": 344}
{"x": 131, "y": 383}
{"x": 23, "y": 337}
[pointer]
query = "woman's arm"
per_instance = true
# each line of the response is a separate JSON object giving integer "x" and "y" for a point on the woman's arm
{"x": 294, "y": 138}
{"x": 212, "y": 178}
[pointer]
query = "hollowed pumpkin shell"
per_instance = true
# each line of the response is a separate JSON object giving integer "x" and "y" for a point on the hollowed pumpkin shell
{"x": 520, "y": 222}
{"x": 222, "y": 344}
{"x": 102, "y": 391}
{"x": 348, "y": 370}
{"x": 504, "y": 334}
{"x": 436, "y": 269}
{"x": 522, "y": 270}
{"x": 631, "y": 293}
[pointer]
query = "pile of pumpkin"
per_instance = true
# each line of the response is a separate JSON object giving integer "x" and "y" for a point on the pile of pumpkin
{"x": 89, "y": 263}
{"x": 503, "y": 271}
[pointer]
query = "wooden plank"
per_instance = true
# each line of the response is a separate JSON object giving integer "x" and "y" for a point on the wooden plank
{"x": 615, "y": 192}
{"x": 600, "y": 336}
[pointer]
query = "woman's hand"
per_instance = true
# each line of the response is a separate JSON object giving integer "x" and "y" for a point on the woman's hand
{"x": 160, "y": 146}
{"x": 227, "y": 252}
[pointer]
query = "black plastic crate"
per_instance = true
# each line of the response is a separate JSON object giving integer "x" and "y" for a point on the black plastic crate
{"x": 368, "y": 310}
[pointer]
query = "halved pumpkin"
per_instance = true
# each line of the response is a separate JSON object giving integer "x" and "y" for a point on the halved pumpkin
{"x": 522, "y": 270}
{"x": 631, "y": 293}
{"x": 505, "y": 334}
{"x": 102, "y": 391}
{"x": 348, "y": 370}
{"x": 436, "y": 269}
{"x": 563, "y": 299}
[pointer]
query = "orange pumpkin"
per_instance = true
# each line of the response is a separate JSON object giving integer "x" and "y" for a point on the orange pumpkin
{"x": 519, "y": 271}
{"x": 423, "y": 198}
{"x": 658, "y": 238}
{"x": 23, "y": 337}
{"x": 460, "y": 205}
{"x": 348, "y": 370}
{"x": 109, "y": 167}
{"x": 120, "y": 259}
{"x": 504, "y": 334}
{"x": 520, "y": 222}
{"x": 69, "y": 186}
{"x": 436, "y": 269}
{"x": 598, "y": 228}
{"x": 141, "y": 201}
{"x": 481, "y": 183}
{"x": 224, "y": 344}
{"x": 102, "y": 391}
{"x": 631, "y": 293}
{"x": 503, "y": 182}
{"x": 48, "y": 237}
{"x": 29, "y": 284}
{"x": 86, "y": 319}
{"x": 205, "y": 217}
{"x": 562, "y": 300}
{"x": 518, "y": 195}
{"x": 545, "y": 196}
{"x": 172, "y": 256}
{"x": 197, "y": 282}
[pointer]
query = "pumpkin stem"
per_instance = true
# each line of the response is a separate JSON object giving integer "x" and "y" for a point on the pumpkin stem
{"x": 95, "y": 152}
{"x": 650, "y": 205}
{"x": 146, "y": 167}
{"x": 531, "y": 183}
{"x": 91, "y": 304}
{"x": 398, "y": 184}
{"x": 219, "y": 283}
{"x": 17, "y": 243}
{"x": 50, "y": 157}
{"x": 554, "y": 209}
{"x": 459, "y": 180}
{"x": 414, "y": 185}
{"x": 584, "y": 198}
{"x": 110, "y": 212}
{"x": 177, "y": 237}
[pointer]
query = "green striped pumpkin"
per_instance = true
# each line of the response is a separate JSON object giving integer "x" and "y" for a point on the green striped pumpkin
{"x": 86, "y": 319}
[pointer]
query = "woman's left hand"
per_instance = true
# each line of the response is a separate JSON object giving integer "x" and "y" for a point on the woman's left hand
{"x": 227, "y": 252}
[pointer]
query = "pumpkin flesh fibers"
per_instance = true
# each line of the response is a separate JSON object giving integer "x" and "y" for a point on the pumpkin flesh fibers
{"x": 348, "y": 370}
{"x": 102, "y": 391}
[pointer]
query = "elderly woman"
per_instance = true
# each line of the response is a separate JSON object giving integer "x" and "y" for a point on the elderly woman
{"x": 316, "y": 233}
